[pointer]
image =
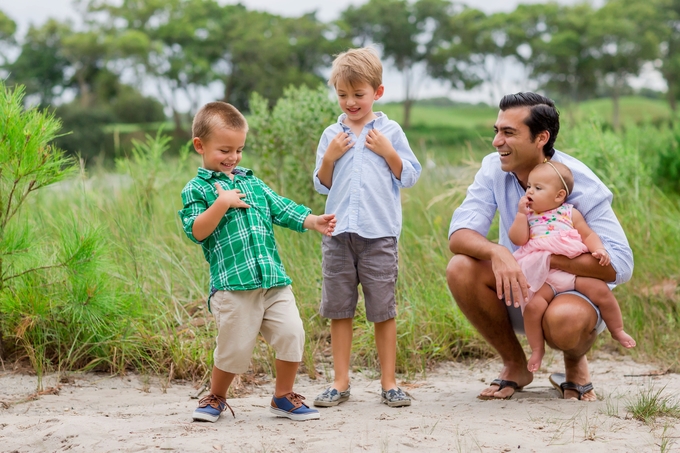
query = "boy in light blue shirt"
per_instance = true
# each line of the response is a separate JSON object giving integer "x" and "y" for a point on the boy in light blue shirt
{"x": 362, "y": 162}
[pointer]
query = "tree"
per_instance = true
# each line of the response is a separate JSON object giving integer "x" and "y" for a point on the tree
{"x": 7, "y": 29}
{"x": 669, "y": 12}
{"x": 624, "y": 39}
{"x": 41, "y": 65}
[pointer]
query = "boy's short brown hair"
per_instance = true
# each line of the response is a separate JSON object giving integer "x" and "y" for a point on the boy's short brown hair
{"x": 357, "y": 66}
{"x": 217, "y": 114}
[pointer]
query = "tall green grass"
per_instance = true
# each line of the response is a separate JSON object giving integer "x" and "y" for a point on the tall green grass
{"x": 141, "y": 303}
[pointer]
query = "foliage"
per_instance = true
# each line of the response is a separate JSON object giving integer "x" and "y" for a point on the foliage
{"x": 82, "y": 132}
{"x": 284, "y": 140}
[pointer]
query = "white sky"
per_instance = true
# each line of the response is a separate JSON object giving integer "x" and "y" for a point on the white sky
{"x": 26, "y": 12}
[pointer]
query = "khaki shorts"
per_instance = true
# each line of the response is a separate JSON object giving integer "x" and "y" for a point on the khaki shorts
{"x": 241, "y": 315}
{"x": 348, "y": 260}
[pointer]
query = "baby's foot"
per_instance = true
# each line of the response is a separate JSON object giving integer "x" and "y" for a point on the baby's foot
{"x": 622, "y": 337}
{"x": 535, "y": 360}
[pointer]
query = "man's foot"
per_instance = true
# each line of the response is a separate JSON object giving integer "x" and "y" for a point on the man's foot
{"x": 521, "y": 378}
{"x": 622, "y": 337}
{"x": 577, "y": 373}
{"x": 583, "y": 392}
{"x": 291, "y": 406}
{"x": 210, "y": 407}
{"x": 535, "y": 360}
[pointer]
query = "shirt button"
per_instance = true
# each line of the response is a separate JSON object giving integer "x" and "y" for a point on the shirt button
{"x": 260, "y": 256}
{"x": 254, "y": 228}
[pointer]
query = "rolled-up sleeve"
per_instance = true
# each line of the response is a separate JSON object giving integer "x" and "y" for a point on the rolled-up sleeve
{"x": 195, "y": 204}
{"x": 479, "y": 207}
{"x": 411, "y": 168}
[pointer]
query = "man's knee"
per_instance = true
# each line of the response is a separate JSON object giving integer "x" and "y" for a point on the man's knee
{"x": 461, "y": 270}
{"x": 569, "y": 322}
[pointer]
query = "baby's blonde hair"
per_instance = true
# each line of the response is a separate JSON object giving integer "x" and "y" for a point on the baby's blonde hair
{"x": 217, "y": 114}
{"x": 357, "y": 66}
{"x": 559, "y": 169}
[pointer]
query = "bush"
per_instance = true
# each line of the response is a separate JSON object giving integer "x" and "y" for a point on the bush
{"x": 83, "y": 131}
{"x": 283, "y": 140}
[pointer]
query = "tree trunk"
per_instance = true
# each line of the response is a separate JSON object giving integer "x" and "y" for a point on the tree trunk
{"x": 670, "y": 94}
{"x": 616, "y": 94}
{"x": 407, "y": 113}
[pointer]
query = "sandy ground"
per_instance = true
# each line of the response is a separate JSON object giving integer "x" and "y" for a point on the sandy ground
{"x": 101, "y": 413}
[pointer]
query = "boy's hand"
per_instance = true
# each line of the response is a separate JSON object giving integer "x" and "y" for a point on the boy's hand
{"x": 378, "y": 143}
{"x": 602, "y": 256}
{"x": 324, "y": 224}
{"x": 338, "y": 146}
{"x": 230, "y": 198}
{"x": 523, "y": 206}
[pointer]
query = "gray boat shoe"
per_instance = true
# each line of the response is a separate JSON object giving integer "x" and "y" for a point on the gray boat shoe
{"x": 331, "y": 397}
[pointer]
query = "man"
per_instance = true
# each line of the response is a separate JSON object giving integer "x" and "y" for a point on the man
{"x": 483, "y": 275}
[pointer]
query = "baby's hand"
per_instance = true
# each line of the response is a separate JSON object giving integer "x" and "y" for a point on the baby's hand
{"x": 337, "y": 147}
{"x": 523, "y": 205}
{"x": 230, "y": 198}
{"x": 602, "y": 256}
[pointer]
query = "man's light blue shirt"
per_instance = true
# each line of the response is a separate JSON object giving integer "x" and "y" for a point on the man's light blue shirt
{"x": 364, "y": 195}
{"x": 496, "y": 190}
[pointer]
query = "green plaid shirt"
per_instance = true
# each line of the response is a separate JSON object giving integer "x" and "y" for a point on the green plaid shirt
{"x": 241, "y": 251}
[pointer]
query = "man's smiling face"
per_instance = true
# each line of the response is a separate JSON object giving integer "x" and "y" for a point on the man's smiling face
{"x": 518, "y": 152}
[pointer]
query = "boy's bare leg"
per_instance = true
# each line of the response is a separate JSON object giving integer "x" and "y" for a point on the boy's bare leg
{"x": 533, "y": 318}
{"x": 341, "y": 347}
{"x": 285, "y": 377}
{"x": 473, "y": 285}
{"x": 386, "y": 344}
{"x": 598, "y": 291}
{"x": 569, "y": 326}
{"x": 220, "y": 382}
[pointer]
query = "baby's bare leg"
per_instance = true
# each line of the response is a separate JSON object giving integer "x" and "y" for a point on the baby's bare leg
{"x": 599, "y": 293}
{"x": 533, "y": 319}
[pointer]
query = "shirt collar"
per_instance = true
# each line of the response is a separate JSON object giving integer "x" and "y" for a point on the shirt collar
{"x": 206, "y": 174}
{"x": 379, "y": 119}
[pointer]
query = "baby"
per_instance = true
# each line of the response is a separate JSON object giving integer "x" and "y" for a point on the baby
{"x": 546, "y": 225}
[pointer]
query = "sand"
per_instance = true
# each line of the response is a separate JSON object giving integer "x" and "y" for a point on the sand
{"x": 101, "y": 413}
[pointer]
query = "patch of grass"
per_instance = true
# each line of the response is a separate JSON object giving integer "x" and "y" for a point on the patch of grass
{"x": 651, "y": 404}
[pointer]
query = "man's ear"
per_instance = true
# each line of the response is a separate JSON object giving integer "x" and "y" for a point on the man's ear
{"x": 379, "y": 92}
{"x": 542, "y": 138}
{"x": 198, "y": 145}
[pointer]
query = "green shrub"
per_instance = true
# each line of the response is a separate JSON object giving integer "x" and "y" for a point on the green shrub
{"x": 83, "y": 131}
{"x": 283, "y": 140}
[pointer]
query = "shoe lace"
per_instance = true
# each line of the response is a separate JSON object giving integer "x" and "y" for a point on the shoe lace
{"x": 296, "y": 399}
{"x": 216, "y": 402}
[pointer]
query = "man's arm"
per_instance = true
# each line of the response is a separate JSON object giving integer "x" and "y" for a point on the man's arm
{"x": 583, "y": 266}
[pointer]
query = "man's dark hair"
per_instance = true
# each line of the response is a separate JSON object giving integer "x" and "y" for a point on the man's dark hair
{"x": 543, "y": 116}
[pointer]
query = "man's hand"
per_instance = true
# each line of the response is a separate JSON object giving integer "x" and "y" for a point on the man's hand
{"x": 523, "y": 205}
{"x": 337, "y": 147}
{"x": 602, "y": 256}
{"x": 378, "y": 143}
{"x": 324, "y": 224}
{"x": 510, "y": 281}
{"x": 230, "y": 198}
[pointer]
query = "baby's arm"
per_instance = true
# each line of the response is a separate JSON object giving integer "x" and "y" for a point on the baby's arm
{"x": 590, "y": 238}
{"x": 207, "y": 221}
{"x": 519, "y": 230}
{"x": 381, "y": 145}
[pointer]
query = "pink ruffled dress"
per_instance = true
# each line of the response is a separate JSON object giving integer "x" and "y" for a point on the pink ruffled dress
{"x": 551, "y": 233}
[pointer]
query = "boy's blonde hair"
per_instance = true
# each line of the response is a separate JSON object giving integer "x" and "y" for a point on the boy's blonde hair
{"x": 357, "y": 66}
{"x": 217, "y": 114}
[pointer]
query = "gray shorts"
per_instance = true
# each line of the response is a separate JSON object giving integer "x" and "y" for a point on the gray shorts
{"x": 517, "y": 320}
{"x": 350, "y": 260}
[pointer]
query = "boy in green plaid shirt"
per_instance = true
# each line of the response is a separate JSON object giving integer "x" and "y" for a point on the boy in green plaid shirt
{"x": 231, "y": 213}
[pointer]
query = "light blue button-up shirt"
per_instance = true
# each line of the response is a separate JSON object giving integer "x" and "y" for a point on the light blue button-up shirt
{"x": 496, "y": 190}
{"x": 364, "y": 195}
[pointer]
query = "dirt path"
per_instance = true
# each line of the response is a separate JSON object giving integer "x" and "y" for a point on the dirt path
{"x": 98, "y": 413}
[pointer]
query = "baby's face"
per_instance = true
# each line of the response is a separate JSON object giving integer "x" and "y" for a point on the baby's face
{"x": 544, "y": 189}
